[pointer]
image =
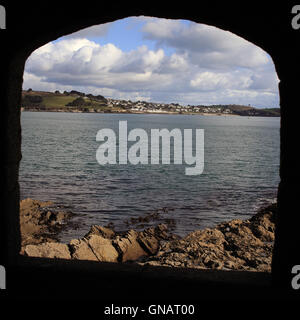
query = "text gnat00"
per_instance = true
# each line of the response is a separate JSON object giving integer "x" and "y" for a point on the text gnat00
{"x": 171, "y": 309}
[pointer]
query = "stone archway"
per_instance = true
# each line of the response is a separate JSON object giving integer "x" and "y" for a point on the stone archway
{"x": 30, "y": 28}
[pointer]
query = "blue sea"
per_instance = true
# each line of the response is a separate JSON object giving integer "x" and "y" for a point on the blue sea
{"x": 241, "y": 171}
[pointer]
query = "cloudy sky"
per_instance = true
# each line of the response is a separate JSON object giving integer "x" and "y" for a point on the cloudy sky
{"x": 157, "y": 60}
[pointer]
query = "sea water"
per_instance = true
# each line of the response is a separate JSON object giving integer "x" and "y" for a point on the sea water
{"x": 241, "y": 170}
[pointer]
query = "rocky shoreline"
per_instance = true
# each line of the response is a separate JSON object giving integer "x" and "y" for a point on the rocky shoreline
{"x": 234, "y": 245}
{"x": 41, "y": 221}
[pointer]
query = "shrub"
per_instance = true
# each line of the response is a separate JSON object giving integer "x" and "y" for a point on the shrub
{"x": 78, "y": 102}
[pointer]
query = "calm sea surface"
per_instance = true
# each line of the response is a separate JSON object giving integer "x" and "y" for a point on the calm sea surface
{"x": 241, "y": 171}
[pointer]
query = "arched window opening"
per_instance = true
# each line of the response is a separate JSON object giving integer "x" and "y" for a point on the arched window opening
{"x": 152, "y": 74}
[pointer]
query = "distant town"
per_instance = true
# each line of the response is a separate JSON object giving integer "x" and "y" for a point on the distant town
{"x": 75, "y": 101}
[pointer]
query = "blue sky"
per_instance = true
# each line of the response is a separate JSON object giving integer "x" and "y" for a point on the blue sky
{"x": 127, "y": 34}
{"x": 160, "y": 60}
{"x": 117, "y": 30}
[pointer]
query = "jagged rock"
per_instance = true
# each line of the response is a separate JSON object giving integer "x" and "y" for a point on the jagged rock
{"x": 239, "y": 235}
{"x": 150, "y": 238}
{"x": 80, "y": 250}
{"x": 94, "y": 248}
{"x": 263, "y": 224}
{"x": 234, "y": 245}
{"x": 161, "y": 232}
{"x": 48, "y": 250}
{"x": 128, "y": 246}
{"x": 104, "y": 232}
{"x": 103, "y": 248}
{"x": 40, "y": 221}
{"x": 208, "y": 235}
{"x": 149, "y": 243}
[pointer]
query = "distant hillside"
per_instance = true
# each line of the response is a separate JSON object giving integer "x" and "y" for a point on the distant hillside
{"x": 250, "y": 111}
{"x": 67, "y": 101}
{"x": 75, "y": 101}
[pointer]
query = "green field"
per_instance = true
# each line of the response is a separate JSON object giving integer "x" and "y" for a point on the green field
{"x": 53, "y": 101}
{"x": 75, "y": 101}
{"x": 50, "y": 100}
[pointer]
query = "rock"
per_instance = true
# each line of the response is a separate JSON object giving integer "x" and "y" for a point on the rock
{"x": 103, "y": 248}
{"x": 128, "y": 246}
{"x": 263, "y": 224}
{"x": 240, "y": 235}
{"x": 103, "y": 244}
{"x": 93, "y": 248}
{"x": 80, "y": 250}
{"x": 208, "y": 235}
{"x": 234, "y": 245}
{"x": 40, "y": 221}
{"x": 96, "y": 245}
{"x": 149, "y": 244}
{"x": 104, "y": 232}
{"x": 150, "y": 238}
{"x": 48, "y": 250}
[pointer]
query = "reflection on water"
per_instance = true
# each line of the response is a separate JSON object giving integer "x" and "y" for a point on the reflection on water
{"x": 241, "y": 170}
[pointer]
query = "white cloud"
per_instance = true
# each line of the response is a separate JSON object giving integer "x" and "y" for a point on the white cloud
{"x": 207, "y": 66}
{"x": 139, "y": 61}
{"x": 206, "y": 46}
{"x": 161, "y": 28}
{"x": 91, "y": 32}
{"x": 212, "y": 81}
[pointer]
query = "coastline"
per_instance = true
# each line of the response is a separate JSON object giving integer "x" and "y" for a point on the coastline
{"x": 234, "y": 245}
{"x": 150, "y": 112}
{"x": 80, "y": 102}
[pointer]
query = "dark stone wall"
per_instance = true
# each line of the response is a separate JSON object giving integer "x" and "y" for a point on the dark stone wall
{"x": 30, "y": 25}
